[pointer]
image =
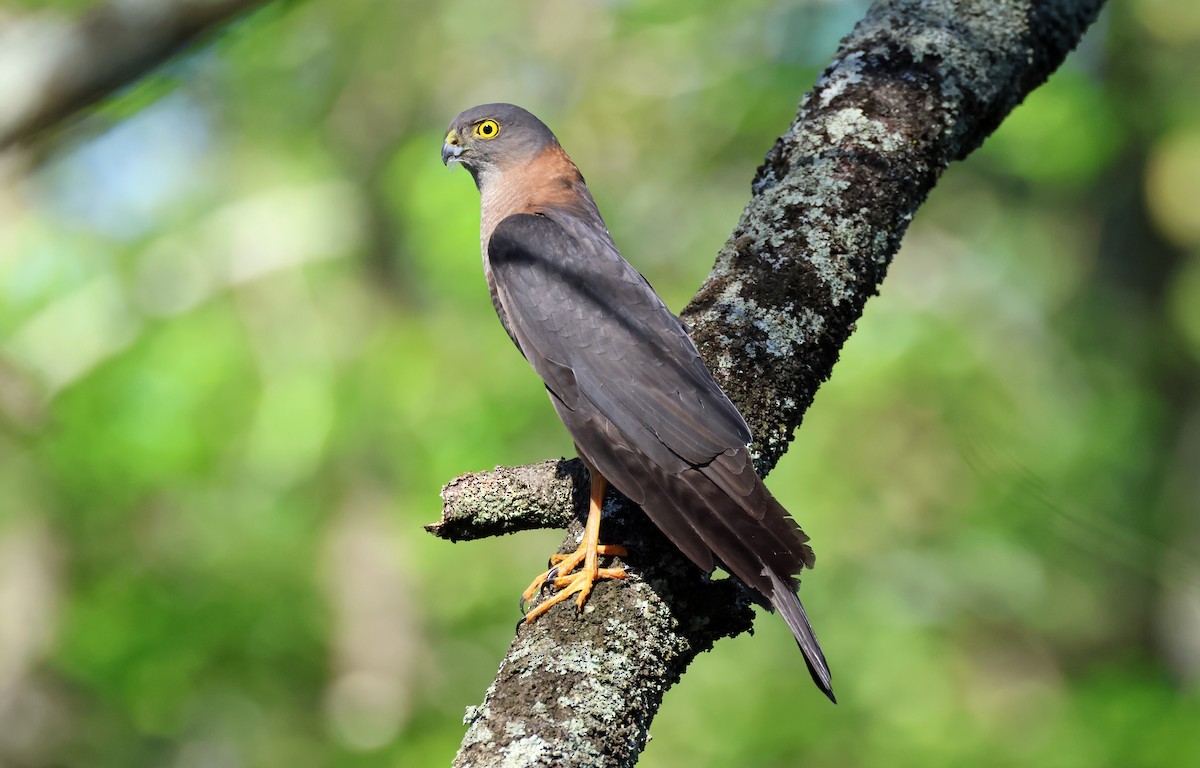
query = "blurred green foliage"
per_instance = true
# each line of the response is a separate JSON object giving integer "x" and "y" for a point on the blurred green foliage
{"x": 244, "y": 339}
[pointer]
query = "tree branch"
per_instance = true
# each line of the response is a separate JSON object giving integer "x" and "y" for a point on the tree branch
{"x": 506, "y": 500}
{"x": 50, "y": 69}
{"x": 916, "y": 85}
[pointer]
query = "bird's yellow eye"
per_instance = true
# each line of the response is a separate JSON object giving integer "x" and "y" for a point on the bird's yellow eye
{"x": 488, "y": 129}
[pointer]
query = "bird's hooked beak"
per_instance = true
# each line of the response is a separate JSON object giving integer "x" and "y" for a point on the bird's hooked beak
{"x": 452, "y": 148}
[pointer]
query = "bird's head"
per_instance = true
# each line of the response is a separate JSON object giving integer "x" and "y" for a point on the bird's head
{"x": 491, "y": 139}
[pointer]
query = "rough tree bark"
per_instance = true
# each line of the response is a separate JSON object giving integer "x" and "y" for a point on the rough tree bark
{"x": 916, "y": 85}
{"x": 51, "y": 69}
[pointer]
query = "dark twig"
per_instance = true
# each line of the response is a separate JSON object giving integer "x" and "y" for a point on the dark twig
{"x": 51, "y": 69}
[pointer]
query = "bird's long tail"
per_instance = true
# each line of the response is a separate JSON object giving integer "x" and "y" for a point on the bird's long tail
{"x": 787, "y": 602}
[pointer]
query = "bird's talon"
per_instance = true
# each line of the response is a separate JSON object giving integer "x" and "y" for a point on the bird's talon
{"x": 548, "y": 581}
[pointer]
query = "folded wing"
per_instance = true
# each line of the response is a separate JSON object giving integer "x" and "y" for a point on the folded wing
{"x": 641, "y": 405}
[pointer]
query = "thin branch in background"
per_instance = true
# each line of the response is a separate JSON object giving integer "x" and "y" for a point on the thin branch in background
{"x": 50, "y": 69}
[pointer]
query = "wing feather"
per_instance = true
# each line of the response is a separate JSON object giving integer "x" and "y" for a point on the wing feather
{"x": 570, "y": 299}
{"x": 642, "y": 407}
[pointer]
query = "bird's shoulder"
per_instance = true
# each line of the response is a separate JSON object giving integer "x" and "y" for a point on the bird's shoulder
{"x": 576, "y": 306}
{"x": 545, "y": 232}
{"x": 574, "y": 249}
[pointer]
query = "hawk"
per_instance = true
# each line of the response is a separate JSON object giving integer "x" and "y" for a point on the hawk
{"x": 623, "y": 375}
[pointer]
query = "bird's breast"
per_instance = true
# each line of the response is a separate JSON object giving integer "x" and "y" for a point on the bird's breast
{"x": 499, "y": 200}
{"x": 548, "y": 182}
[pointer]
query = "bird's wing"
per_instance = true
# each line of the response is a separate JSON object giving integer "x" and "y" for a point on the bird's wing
{"x": 642, "y": 407}
{"x": 591, "y": 326}
{"x": 633, "y": 392}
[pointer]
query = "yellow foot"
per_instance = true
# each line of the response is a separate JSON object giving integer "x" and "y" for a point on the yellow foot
{"x": 565, "y": 583}
{"x": 560, "y": 577}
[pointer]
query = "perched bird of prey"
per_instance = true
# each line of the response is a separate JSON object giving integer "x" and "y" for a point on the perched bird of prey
{"x": 623, "y": 375}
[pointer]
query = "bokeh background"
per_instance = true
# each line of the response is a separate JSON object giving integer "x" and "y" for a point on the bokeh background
{"x": 245, "y": 338}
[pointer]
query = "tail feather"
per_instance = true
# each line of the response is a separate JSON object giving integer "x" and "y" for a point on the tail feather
{"x": 787, "y": 602}
{"x": 782, "y": 550}
{"x": 720, "y": 512}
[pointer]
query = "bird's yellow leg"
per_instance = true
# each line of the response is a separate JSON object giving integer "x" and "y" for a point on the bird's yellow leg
{"x": 562, "y": 578}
